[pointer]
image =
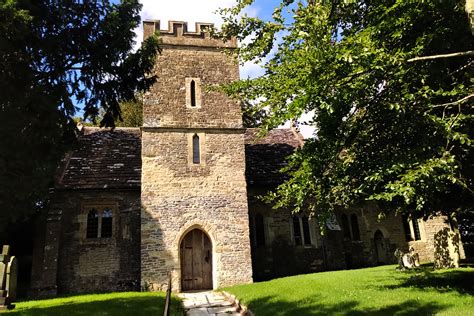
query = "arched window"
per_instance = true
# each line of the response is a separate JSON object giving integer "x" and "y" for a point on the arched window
{"x": 345, "y": 227}
{"x": 196, "y": 150}
{"x": 92, "y": 224}
{"x": 406, "y": 227}
{"x": 355, "y": 227}
{"x": 411, "y": 228}
{"x": 297, "y": 231}
{"x": 99, "y": 221}
{"x": 259, "y": 230}
{"x": 416, "y": 228}
{"x": 301, "y": 230}
{"x": 193, "y": 93}
{"x": 306, "y": 234}
{"x": 106, "y": 228}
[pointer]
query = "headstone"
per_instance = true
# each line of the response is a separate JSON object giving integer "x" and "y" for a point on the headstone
{"x": 12, "y": 276}
{"x": 3, "y": 279}
{"x": 470, "y": 13}
{"x": 332, "y": 224}
{"x": 446, "y": 252}
{"x": 8, "y": 278}
{"x": 407, "y": 260}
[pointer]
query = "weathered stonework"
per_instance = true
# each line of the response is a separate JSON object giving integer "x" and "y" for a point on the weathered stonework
{"x": 72, "y": 263}
{"x": 191, "y": 55}
{"x": 427, "y": 245}
{"x": 177, "y": 194}
{"x": 281, "y": 257}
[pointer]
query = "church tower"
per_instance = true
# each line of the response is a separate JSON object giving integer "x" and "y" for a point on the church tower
{"x": 194, "y": 219}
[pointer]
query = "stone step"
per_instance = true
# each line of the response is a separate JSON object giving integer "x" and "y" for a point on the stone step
{"x": 212, "y": 311}
{"x": 208, "y": 303}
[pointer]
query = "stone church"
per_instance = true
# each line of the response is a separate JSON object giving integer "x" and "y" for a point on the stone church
{"x": 178, "y": 196}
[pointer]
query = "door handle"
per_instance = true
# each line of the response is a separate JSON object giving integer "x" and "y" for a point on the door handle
{"x": 207, "y": 256}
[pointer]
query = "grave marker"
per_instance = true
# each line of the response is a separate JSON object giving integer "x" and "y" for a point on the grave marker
{"x": 8, "y": 278}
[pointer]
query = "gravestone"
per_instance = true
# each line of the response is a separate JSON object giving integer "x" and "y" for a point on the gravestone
{"x": 8, "y": 278}
{"x": 407, "y": 260}
{"x": 446, "y": 252}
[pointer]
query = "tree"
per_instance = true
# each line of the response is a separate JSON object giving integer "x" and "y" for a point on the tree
{"x": 391, "y": 128}
{"x": 132, "y": 113}
{"x": 252, "y": 116}
{"x": 56, "y": 55}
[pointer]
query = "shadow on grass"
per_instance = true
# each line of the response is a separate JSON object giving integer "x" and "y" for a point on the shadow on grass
{"x": 445, "y": 281}
{"x": 268, "y": 306}
{"x": 149, "y": 305}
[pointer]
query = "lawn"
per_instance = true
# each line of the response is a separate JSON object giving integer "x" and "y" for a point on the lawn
{"x": 372, "y": 291}
{"x": 116, "y": 304}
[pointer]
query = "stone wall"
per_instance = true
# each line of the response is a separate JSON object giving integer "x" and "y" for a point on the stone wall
{"x": 77, "y": 264}
{"x": 280, "y": 257}
{"x": 426, "y": 246}
{"x": 177, "y": 194}
{"x": 186, "y": 56}
{"x": 393, "y": 231}
{"x": 391, "y": 227}
{"x": 177, "y": 197}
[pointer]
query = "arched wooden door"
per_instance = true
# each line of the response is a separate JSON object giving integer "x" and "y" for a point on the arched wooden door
{"x": 380, "y": 248}
{"x": 196, "y": 261}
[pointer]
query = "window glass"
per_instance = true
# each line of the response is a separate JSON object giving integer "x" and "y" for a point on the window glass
{"x": 345, "y": 226}
{"x": 416, "y": 229}
{"x": 355, "y": 227}
{"x": 406, "y": 228}
{"x": 306, "y": 234}
{"x": 297, "y": 230}
{"x": 106, "y": 229}
{"x": 196, "y": 150}
{"x": 92, "y": 224}
{"x": 193, "y": 93}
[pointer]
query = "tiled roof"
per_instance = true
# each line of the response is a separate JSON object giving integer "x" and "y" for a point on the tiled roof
{"x": 111, "y": 158}
{"x": 103, "y": 159}
{"x": 266, "y": 156}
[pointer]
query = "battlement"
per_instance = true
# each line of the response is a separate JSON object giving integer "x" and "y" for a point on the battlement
{"x": 177, "y": 34}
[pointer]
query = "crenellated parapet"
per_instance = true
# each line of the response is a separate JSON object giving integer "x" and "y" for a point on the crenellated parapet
{"x": 177, "y": 34}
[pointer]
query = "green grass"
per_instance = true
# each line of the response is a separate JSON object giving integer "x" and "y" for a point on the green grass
{"x": 371, "y": 291}
{"x": 116, "y": 304}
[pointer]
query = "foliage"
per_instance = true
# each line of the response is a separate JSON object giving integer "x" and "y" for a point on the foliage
{"x": 252, "y": 116}
{"x": 54, "y": 56}
{"x": 122, "y": 303}
{"x": 371, "y": 291}
{"x": 132, "y": 113}
{"x": 389, "y": 130}
{"x": 466, "y": 225}
{"x": 465, "y": 221}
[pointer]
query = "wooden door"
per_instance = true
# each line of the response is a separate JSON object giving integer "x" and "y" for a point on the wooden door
{"x": 196, "y": 261}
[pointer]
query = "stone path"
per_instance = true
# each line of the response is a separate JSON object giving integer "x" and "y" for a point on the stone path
{"x": 207, "y": 303}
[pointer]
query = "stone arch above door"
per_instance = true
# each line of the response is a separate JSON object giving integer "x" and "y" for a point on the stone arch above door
{"x": 206, "y": 228}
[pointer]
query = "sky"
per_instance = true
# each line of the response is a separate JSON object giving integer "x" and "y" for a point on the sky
{"x": 192, "y": 11}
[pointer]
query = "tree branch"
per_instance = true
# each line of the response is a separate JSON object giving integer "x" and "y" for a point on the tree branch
{"x": 454, "y": 102}
{"x": 460, "y": 54}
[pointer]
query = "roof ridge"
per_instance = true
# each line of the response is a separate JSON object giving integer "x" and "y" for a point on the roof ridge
{"x": 111, "y": 128}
